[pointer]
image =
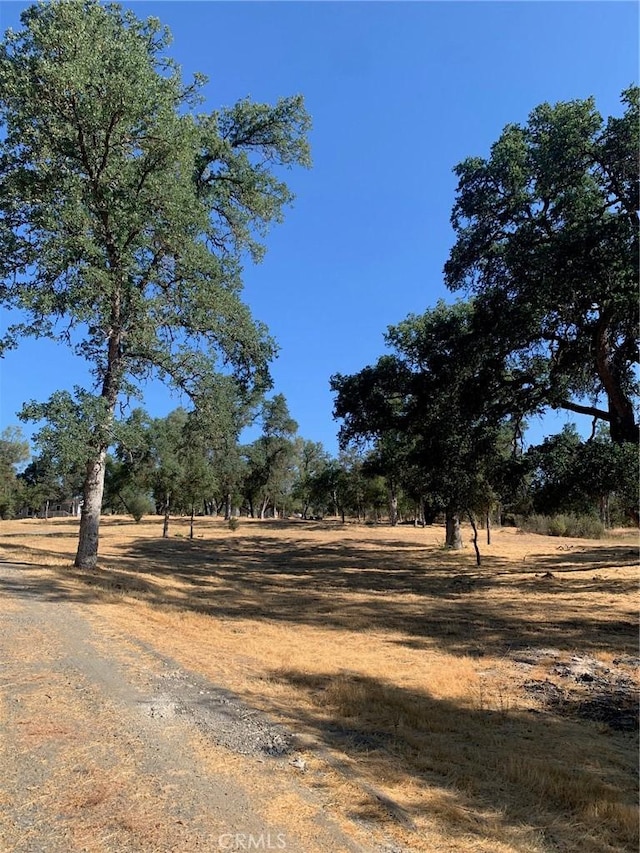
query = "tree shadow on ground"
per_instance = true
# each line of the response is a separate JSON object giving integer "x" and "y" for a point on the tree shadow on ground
{"x": 421, "y": 592}
{"x": 52, "y": 582}
{"x": 508, "y": 775}
{"x": 490, "y": 771}
{"x": 578, "y": 558}
{"x": 429, "y": 597}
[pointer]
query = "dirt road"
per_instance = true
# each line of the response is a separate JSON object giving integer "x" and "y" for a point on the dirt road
{"x": 106, "y": 745}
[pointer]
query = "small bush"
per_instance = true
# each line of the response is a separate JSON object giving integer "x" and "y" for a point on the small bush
{"x": 533, "y": 524}
{"x": 557, "y": 526}
{"x": 233, "y": 523}
{"x": 138, "y": 506}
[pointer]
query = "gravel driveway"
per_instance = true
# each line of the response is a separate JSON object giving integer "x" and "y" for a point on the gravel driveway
{"x": 108, "y": 746}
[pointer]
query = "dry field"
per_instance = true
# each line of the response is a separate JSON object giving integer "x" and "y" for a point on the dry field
{"x": 442, "y": 706}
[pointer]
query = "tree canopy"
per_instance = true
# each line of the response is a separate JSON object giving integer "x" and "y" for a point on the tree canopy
{"x": 270, "y": 458}
{"x": 547, "y": 243}
{"x": 547, "y": 249}
{"x": 432, "y": 410}
{"x": 14, "y": 450}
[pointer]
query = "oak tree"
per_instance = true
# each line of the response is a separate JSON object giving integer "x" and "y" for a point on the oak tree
{"x": 438, "y": 395}
{"x": 269, "y": 473}
{"x": 126, "y": 214}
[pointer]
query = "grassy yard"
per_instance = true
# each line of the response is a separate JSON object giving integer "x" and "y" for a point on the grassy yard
{"x": 459, "y": 708}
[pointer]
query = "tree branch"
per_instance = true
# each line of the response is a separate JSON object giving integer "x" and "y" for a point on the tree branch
{"x": 600, "y": 414}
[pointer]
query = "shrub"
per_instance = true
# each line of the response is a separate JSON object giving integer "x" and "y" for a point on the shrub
{"x": 233, "y": 523}
{"x": 533, "y": 524}
{"x": 557, "y": 526}
{"x": 138, "y": 506}
{"x": 576, "y": 526}
{"x": 585, "y": 526}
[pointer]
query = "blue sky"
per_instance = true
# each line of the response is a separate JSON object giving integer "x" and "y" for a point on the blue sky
{"x": 399, "y": 93}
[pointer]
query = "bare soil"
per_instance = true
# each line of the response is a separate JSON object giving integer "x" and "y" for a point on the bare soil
{"x": 316, "y": 686}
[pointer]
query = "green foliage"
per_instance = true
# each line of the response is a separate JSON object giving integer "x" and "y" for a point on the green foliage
{"x": 270, "y": 459}
{"x": 329, "y": 489}
{"x": 351, "y": 484}
{"x": 308, "y": 489}
{"x": 168, "y": 463}
{"x": 595, "y": 477}
{"x": 547, "y": 246}
{"x": 128, "y": 210}
{"x": 233, "y": 524}
{"x": 431, "y": 411}
{"x": 547, "y": 242}
{"x": 14, "y": 450}
{"x": 137, "y": 505}
{"x": 185, "y": 460}
{"x": 72, "y": 431}
{"x": 45, "y": 481}
{"x": 557, "y": 526}
{"x": 223, "y": 415}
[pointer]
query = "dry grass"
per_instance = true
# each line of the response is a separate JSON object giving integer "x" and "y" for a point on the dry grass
{"x": 393, "y": 661}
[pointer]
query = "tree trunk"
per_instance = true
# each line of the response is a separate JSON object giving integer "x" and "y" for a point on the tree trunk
{"x": 475, "y": 535}
{"x": 488, "y": 524}
{"x": 453, "y": 535}
{"x": 605, "y": 517}
{"x": 393, "y": 507}
{"x": 87, "y": 553}
{"x": 93, "y": 490}
{"x": 622, "y": 424}
{"x": 263, "y": 508}
{"x": 124, "y": 503}
{"x": 165, "y": 525}
{"x": 193, "y": 512}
